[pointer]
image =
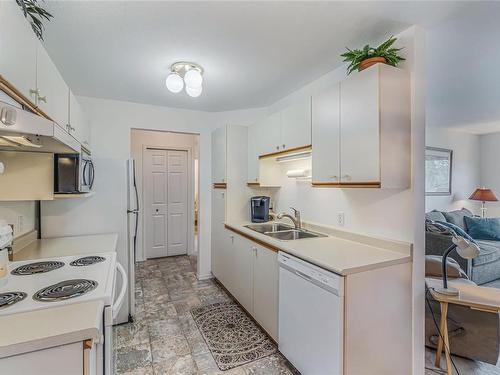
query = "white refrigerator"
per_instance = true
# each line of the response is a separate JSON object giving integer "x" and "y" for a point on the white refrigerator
{"x": 132, "y": 226}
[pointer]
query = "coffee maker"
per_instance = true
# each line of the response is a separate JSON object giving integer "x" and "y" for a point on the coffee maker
{"x": 259, "y": 207}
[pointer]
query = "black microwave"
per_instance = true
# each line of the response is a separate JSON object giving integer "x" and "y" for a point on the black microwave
{"x": 73, "y": 173}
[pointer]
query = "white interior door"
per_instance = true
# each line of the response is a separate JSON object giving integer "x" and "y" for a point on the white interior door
{"x": 155, "y": 175}
{"x": 166, "y": 201}
{"x": 177, "y": 202}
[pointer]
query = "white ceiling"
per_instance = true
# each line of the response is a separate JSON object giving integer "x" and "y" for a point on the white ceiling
{"x": 253, "y": 53}
{"x": 463, "y": 71}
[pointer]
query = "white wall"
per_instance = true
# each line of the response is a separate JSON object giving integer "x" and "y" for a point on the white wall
{"x": 111, "y": 124}
{"x": 466, "y": 171}
{"x": 20, "y": 214}
{"x": 490, "y": 169}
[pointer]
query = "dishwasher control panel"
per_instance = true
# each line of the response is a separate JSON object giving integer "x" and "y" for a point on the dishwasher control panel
{"x": 312, "y": 272}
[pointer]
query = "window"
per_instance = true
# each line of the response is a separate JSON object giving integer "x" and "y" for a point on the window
{"x": 438, "y": 163}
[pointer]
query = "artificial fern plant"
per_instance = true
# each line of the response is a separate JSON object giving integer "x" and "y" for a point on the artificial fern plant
{"x": 36, "y": 14}
{"x": 385, "y": 50}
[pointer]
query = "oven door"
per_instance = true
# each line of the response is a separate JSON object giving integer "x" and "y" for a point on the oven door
{"x": 67, "y": 173}
{"x": 110, "y": 314}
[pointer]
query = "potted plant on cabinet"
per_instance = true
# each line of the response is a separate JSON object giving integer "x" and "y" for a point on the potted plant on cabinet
{"x": 361, "y": 59}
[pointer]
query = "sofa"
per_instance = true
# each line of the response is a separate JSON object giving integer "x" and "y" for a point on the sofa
{"x": 482, "y": 270}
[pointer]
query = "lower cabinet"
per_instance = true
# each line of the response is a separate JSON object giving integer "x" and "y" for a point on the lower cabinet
{"x": 75, "y": 359}
{"x": 242, "y": 281}
{"x": 250, "y": 273}
{"x": 265, "y": 289}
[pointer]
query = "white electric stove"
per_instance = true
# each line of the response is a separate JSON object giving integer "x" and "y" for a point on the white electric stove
{"x": 45, "y": 283}
{"x": 50, "y": 282}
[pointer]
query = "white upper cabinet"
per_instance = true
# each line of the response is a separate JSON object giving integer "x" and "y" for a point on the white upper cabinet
{"x": 53, "y": 92}
{"x": 18, "y": 46}
{"x": 284, "y": 130}
{"x": 361, "y": 137}
{"x": 296, "y": 125}
{"x": 253, "y": 154}
{"x": 326, "y": 136}
{"x": 360, "y": 132}
{"x": 269, "y": 134}
{"x": 375, "y": 128}
{"x": 78, "y": 125}
{"x": 219, "y": 155}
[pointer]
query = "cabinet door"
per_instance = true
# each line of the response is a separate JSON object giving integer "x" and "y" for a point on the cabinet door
{"x": 218, "y": 234}
{"x": 253, "y": 154}
{"x": 52, "y": 90}
{"x": 326, "y": 136}
{"x": 296, "y": 125}
{"x": 242, "y": 272}
{"x": 18, "y": 46}
{"x": 359, "y": 127}
{"x": 268, "y": 135}
{"x": 265, "y": 289}
{"x": 219, "y": 155}
{"x": 79, "y": 126}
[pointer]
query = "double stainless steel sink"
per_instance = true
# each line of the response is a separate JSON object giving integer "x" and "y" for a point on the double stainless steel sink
{"x": 283, "y": 232}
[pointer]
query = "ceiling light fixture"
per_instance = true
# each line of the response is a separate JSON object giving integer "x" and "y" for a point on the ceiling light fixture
{"x": 185, "y": 75}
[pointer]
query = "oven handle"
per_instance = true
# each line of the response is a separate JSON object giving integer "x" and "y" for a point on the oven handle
{"x": 119, "y": 301}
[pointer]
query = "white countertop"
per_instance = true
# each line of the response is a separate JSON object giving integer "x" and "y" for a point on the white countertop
{"x": 336, "y": 254}
{"x": 30, "y": 331}
{"x": 66, "y": 246}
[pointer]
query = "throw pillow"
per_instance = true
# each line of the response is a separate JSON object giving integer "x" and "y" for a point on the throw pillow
{"x": 457, "y": 217}
{"x": 483, "y": 228}
{"x": 459, "y": 231}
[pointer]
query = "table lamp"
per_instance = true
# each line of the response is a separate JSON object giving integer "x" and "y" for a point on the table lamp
{"x": 484, "y": 195}
{"x": 465, "y": 248}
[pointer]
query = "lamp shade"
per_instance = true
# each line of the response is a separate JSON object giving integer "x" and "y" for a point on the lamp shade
{"x": 465, "y": 248}
{"x": 483, "y": 195}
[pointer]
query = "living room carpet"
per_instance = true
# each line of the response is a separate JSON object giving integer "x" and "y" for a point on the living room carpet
{"x": 232, "y": 337}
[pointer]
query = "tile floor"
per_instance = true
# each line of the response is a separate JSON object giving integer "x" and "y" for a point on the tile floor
{"x": 164, "y": 339}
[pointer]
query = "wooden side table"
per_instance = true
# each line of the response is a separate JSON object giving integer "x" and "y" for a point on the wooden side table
{"x": 470, "y": 295}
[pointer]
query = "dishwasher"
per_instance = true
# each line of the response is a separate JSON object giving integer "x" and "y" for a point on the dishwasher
{"x": 311, "y": 312}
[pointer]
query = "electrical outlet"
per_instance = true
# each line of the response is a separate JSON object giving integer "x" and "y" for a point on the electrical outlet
{"x": 341, "y": 219}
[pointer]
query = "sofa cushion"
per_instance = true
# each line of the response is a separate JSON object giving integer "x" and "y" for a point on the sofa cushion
{"x": 483, "y": 228}
{"x": 433, "y": 267}
{"x": 457, "y": 217}
{"x": 489, "y": 252}
{"x": 435, "y": 215}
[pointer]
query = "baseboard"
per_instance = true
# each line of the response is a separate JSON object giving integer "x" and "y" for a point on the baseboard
{"x": 206, "y": 276}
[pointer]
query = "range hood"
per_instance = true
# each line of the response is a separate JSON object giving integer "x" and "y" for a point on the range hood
{"x": 21, "y": 130}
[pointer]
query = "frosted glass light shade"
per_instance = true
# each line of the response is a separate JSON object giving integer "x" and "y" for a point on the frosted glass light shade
{"x": 193, "y": 79}
{"x": 174, "y": 83}
{"x": 194, "y": 93}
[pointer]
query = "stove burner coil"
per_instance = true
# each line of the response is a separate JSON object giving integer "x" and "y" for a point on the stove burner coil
{"x": 87, "y": 261}
{"x": 37, "y": 267}
{"x": 65, "y": 290}
{"x": 10, "y": 298}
